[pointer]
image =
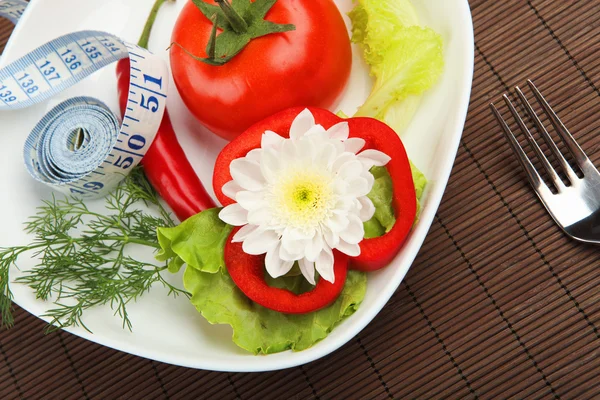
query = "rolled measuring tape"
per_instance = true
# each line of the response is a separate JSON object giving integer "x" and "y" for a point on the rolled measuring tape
{"x": 80, "y": 147}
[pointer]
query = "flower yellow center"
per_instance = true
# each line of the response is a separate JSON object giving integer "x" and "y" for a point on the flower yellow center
{"x": 303, "y": 198}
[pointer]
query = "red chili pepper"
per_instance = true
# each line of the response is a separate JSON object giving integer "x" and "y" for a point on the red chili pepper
{"x": 248, "y": 273}
{"x": 375, "y": 253}
{"x": 165, "y": 163}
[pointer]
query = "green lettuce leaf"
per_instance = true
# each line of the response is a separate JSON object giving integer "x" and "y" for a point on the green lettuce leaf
{"x": 405, "y": 59}
{"x": 263, "y": 331}
{"x": 419, "y": 179}
{"x": 198, "y": 242}
{"x": 381, "y": 195}
{"x": 374, "y": 22}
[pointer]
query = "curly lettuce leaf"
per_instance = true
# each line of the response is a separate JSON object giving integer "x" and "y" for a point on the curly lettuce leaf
{"x": 198, "y": 242}
{"x": 381, "y": 195}
{"x": 419, "y": 179}
{"x": 374, "y": 22}
{"x": 263, "y": 331}
{"x": 405, "y": 59}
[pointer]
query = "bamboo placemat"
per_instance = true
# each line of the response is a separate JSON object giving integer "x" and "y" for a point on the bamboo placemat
{"x": 499, "y": 303}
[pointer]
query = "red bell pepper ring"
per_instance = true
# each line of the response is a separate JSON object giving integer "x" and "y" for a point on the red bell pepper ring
{"x": 248, "y": 274}
{"x": 375, "y": 253}
{"x": 165, "y": 163}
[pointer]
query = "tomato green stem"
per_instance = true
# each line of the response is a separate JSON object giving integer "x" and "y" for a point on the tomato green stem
{"x": 211, "y": 49}
{"x": 143, "y": 42}
{"x": 238, "y": 24}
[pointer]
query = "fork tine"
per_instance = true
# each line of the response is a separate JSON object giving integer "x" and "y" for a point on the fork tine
{"x": 558, "y": 183}
{"x": 532, "y": 174}
{"x": 581, "y": 158}
{"x": 547, "y": 138}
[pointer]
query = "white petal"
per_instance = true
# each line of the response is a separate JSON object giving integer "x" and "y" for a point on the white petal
{"x": 230, "y": 189}
{"x": 373, "y": 158}
{"x": 352, "y": 250}
{"x": 337, "y": 223}
{"x": 260, "y": 216}
{"x": 271, "y": 139}
{"x": 305, "y": 149}
{"x": 367, "y": 209}
{"x": 358, "y": 187}
{"x": 324, "y": 156}
{"x": 234, "y": 215}
{"x": 291, "y": 248}
{"x": 275, "y": 266}
{"x": 330, "y": 238}
{"x": 258, "y": 243}
{"x": 351, "y": 169}
{"x": 302, "y": 123}
{"x": 247, "y": 174}
{"x": 292, "y": 253}
{"x": 254, "y": 155}
{"x": 270, "y": 165}
{"x": 251, "y": 200}
{"x": 341, "y": 160}
{"x": 370, "y": 179}
{"x": 324, "y": 265}
{"x": 340, "y": 187}
{"x": 315, "y": 130}
{"x": 243, "y": 233}
{"x": 297, "y": 234}
{"x": 344, "y": 204}
{"x": 308, "y": 270}
{"x": 288, "y": 150}
{"x": 314, "y": 247}
{"x": 339, "y": 131}
{"x": 354, "y": 232}
{"x": 354, "y": 145}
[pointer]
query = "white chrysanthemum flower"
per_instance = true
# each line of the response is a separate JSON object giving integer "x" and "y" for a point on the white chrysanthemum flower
{"x": 297, "y": 199}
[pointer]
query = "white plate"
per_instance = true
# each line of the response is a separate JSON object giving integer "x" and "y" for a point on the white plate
{"x": 170, "y": 330}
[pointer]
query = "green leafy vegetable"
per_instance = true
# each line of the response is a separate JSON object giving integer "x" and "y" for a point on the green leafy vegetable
{"x": 419, "y": 179}
{"x": 260, "y": 330}
{"x": 198, "y": 242}
{"x": 405, "y": 59}
{"x": 382, "y": 194}
{"x": 83, "y": 254}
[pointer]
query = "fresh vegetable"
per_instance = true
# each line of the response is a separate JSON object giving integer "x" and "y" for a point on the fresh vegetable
{"x": 405, "y": 59}
{"x": 377, "y": 252}
{"x": 381, "y": 195}
{"x": 200, "y": 243}
{"x": 308, "y": 66}
{"x": 420, "y": 182}
{"x": 165, "y": 163}
{"x": 263, "y": 331}
{"x": 248, "y": 273}
{"x": 82, "y": 254}
{"x": 303, "y": 200}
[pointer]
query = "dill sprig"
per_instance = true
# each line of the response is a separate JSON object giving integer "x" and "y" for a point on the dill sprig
{"x": 83, "y": 260}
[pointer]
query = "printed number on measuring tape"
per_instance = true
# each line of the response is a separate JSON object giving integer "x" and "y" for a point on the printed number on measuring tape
{"x": 80, "y": 147}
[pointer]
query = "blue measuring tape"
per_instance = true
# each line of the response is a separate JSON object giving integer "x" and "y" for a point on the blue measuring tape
{"x": 80, "y": 147}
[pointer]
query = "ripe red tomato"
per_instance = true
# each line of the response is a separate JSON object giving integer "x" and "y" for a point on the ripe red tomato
{"x": 309, "y": 66}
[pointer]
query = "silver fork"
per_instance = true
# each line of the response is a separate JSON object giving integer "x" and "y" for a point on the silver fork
{"x": 575, "y": 207}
